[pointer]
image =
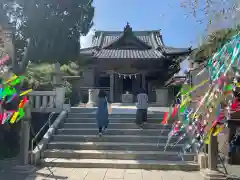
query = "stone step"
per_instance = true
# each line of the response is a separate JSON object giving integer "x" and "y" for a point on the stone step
{"x": 83, "y": 110}
{"x": 127, "y": 146}
{"x": 114, "y": 138}
{"x": 121, "y": 164}
{"x": 84, "y": 131}
{"x": 115, "y": 120}
{"x": 114, "y": 125}
{"x": 93, "y": 115}
{"x": 123, "y": 155}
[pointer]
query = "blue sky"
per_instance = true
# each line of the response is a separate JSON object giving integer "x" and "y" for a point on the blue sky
{"x": 167, "y": 15}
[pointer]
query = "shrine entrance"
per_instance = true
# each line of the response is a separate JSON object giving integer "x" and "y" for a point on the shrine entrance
{"x": 127, "y": 85}
{"x": 104, "y": 82}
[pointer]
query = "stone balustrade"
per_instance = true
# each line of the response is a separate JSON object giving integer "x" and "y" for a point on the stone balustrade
{"x": 47, "y": 101}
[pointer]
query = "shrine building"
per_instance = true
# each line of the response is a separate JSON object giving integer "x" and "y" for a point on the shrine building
{"x": 122, "y": 62}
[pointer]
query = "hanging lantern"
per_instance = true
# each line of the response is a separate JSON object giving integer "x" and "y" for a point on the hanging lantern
{"x": 119, "y": 75}
{"x": 135, "y": 76}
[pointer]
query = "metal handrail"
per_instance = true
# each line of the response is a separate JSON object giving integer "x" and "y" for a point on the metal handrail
{"x": 47, "y": 123}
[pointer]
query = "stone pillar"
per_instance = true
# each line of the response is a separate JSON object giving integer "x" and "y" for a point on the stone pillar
{"x": 57, "y": 78}
{"x": 212, "y": 153}
{"x": 24, "y": 166}
{"x": 60, "y": 97}
{"x": 25, "y": 135}
{"x": 92, "y": 97}
{"x": 111, "y": 87}
{"x": 162, "y": 97}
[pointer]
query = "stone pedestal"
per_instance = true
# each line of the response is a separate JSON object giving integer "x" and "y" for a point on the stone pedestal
{"x": 212, "y": 175}
{"x": 162, "y": 97}
{"x": 127, "y": 98}
{"x": 203, "y": 160}
{"x": 92, "y": 97}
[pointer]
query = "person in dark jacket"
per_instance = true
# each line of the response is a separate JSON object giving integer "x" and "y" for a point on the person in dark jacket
{"x": 102, "y": 112}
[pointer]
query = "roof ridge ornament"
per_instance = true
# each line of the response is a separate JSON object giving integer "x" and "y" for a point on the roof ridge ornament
{"x": 127, "y": 28}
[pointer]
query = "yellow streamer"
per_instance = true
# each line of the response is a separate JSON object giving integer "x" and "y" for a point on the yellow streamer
{"x": 199, "y": 85}
{"x": 218, "y": 130}
{"x": 185, "y": 101}
{"x": 207, "y": 140}
{"x": 14, "y": 117}
{"x": 25, "y": 92}
{"x": 237, "y": 84}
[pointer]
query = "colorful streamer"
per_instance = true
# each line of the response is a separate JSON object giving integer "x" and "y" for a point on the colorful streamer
{"x": 7, "y": 94}
{"x": 222, "y": 68}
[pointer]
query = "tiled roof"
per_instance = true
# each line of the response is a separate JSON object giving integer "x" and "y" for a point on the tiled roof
{"x": 105, "y": 38}
{"x": 175, "y": 80}
{"x": 129, "y": 54}
{"x": 172, "y": 50}
{"x": 154, "y": 48}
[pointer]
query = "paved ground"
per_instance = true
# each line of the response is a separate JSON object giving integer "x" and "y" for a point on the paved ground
{"x": 110, "y": 174}
{"x": 57, "y": 173}
{"x": 6, "y": 172}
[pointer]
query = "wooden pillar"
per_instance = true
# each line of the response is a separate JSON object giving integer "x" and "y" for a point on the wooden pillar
{"x": 143, "y": 81}
{"x": 116, "y": 89}
{"x": 136, "y": 85}
{"x": 149, "y": 91}
{"x": 111, "y": 87}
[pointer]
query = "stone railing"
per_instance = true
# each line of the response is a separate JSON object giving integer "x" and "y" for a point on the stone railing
{"x": 47, "y": 101}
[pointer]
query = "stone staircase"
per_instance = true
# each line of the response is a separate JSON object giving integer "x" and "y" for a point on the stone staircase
{"x": 124, "y": 145}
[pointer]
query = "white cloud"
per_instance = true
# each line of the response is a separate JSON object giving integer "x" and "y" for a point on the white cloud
{"x": 86, "y": 41}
